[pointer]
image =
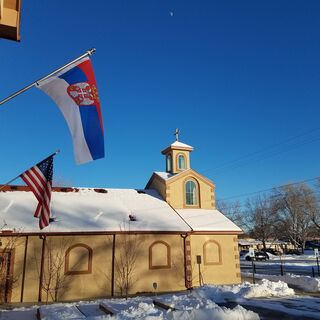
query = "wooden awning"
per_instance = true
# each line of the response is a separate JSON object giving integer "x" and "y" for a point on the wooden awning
{"x": 10, "y": 19}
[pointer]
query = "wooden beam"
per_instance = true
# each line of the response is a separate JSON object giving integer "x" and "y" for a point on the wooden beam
{"x": 41, "y": 268}
{"x": 163, "y": 306}
{"x": 113, "y": 261}
{"x": 24, "y": 267}
{"x": 105, "y": 309}
{"x": 1, "y": 9}
{"x": 10, "y": 11}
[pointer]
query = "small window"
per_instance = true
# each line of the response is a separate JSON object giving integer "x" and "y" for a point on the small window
{"x": 212, "y": 253}
{"x": 159, "y": 255}
{"x": 78, "y": 259}
{"x": 169, "y": 163}
{"x": 181, "y": 162}
{"x": 191, "y": 193}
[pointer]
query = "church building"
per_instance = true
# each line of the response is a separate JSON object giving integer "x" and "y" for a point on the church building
{"x": 117, "y": 242}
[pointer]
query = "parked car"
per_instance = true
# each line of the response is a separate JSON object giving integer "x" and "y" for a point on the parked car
{"x": 294, "y": 251}
{"x": 243, "y": 252}
{"x": 273, "y": 251}
{"x": 258, "y": 256}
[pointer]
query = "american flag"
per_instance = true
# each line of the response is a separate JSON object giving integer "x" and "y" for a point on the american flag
{"x": 39, "y": 179}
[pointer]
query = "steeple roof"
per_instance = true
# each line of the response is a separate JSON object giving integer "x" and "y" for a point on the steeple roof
{"x": 178, "y": 146}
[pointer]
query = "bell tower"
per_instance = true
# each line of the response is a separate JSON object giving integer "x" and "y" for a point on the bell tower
{"x": 177, "y": 156}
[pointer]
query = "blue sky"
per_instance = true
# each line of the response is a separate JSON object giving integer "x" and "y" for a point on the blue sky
{"x": 240, "y": 79}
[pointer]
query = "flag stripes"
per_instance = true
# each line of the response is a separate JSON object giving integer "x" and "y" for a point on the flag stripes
{"x": 39, "y": 179}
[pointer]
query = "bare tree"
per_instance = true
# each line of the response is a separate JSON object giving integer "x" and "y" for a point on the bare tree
{"x": 7, "y": 278}
{"x": 297, "y": 207}
{"x": 232, "y": 209}
{"x": 263, "y": 216}
{"x": 316, "y": 213}
{"x": 128, "y": 250}
{"x": 53, "y": 274}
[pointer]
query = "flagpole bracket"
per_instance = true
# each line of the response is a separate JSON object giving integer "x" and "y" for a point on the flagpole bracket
{"x": 91, "y": 51}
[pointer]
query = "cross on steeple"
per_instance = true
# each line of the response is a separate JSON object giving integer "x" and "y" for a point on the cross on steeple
{"x": 176, "y": 133}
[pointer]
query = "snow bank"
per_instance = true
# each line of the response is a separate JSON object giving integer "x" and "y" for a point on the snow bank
{"x": 190, "y": 307}
{"x": 305, "y": 283}
{"x": 265, "y": 289}
{"x": 143, "y": 310}
{"x": 194, "y": 306}
{"x": 237, "y": 313}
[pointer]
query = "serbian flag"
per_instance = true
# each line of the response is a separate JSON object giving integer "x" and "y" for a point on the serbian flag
{"x": 74, "y": 90}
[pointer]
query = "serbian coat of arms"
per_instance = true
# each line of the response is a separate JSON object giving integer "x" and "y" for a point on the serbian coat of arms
{"x": 83, "y": 93}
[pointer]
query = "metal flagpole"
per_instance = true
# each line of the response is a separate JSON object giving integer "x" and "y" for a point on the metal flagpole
{"x": 88, "y": 53}
{"x": 4, "y": 185}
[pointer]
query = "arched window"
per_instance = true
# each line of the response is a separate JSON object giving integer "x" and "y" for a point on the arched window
{"x": 191, "y": 193}
{"x": 169, "y": 163}
{"x": 159, "y": 255}
{"x": 78, "y": 259}
{"x": 212, "y": 253}
{"x": 181, "y": 162}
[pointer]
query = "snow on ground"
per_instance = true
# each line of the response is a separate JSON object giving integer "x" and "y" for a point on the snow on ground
{"x": 289, "y": 258}
{"x": 200, "y": 303}
{"x": 246, "y": 290}
{"x": 305, "y": 283}
{"x": 298, "y": 307}
{"x": 272, "y": 299}
{"x": 307, "y": 255}
{"x": 194, "y": 305}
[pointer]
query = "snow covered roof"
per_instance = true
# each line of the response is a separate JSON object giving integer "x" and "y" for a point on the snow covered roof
{"x": 164, "y": 175}
{"x": 85, "y": 210}
{"x": 207, "y": 220}
{"x": 177, "y": 145}
{"x": 106, "y": 210}
{"x": 180, "y": 145}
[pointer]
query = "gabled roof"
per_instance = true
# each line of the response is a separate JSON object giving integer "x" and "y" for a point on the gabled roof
{"x": 164, "y": 175}
{"x": 169, "y": 177}
{"x": 178, "y": 146}
{"x": 208, "y": 220}
{"x": 87, "y": 210}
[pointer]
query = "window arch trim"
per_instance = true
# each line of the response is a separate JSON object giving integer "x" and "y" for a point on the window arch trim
{"x": 197, "y": 191}
{"x": 205, "y": 256}
{"x": 67, "y": 270}
{"x": 166, "y": 266}
{"x": 169, "y": 163}
{"x": 179, "y": 168}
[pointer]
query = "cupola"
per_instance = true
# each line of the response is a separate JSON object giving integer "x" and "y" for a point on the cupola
{"x": 177, "y": 156}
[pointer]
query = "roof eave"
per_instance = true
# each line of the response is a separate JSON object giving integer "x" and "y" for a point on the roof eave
{"x": 166, "y": 150}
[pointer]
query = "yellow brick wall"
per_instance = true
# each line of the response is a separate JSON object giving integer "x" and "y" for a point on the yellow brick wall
{"x": 177, "y": 193}
{"x": 225, "y": 272}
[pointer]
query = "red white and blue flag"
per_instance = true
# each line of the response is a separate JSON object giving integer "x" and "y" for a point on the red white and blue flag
{"x": 39, "y": 180}
{"x": 74, "y": 90}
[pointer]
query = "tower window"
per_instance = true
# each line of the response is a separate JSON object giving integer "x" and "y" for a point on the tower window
{"x": 169, "y": 163}
{"x": 191, "y": 193}
{"x": 181, "y": 162}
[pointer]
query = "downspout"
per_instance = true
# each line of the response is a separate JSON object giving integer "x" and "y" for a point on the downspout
{"x": 183, "y": 236}
{"x": 44, "y": 238}
{"x": 113, "y": 260}
{"x": 187, "y": 281}
{"x": 24, "y": 267}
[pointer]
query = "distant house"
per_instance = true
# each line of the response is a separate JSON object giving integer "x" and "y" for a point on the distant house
{"x": 277, "y": 245}
{"x": 112, "y": 242}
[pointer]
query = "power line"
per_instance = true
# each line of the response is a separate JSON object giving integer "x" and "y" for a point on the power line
{"x": 267, "y": 152}
{"x": 269, "y": 189}
{"x": 289, "y": 148}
